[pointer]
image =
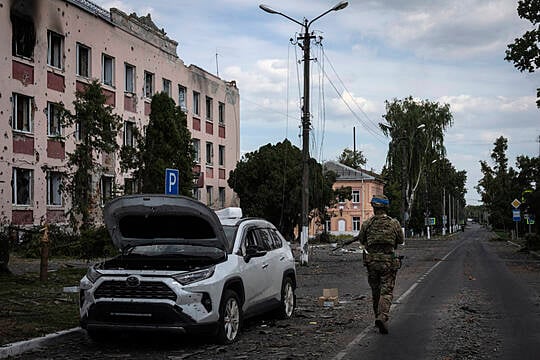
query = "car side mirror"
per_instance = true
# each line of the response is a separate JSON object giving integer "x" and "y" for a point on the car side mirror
{"x": 253, "y": 251}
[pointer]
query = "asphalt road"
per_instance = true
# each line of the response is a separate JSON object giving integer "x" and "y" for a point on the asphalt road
{"x": 468, "y": 306}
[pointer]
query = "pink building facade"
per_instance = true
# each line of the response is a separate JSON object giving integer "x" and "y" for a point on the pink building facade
{"x": 347, "y": 216}
{"x": 50, "y": 49}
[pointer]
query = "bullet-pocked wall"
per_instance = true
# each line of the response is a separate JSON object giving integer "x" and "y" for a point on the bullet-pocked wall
{"x": 50, "y": 49}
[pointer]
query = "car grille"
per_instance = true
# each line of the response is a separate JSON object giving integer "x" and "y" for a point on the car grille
{"x": 145, "y": 290}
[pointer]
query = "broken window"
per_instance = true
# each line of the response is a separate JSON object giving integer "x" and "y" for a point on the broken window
{"x": 23, "y": 36}
{"x": 83, "y": 60}
{"x": 209, "y": 108}
{"x": 107, "y": 75}
{"x": 221, "y": 113}
{"x": 54, "y": 195}
{"x": 182, "y": 98}
{"x": 22, "y": 113}
{"x": 130, "y": 78}
{"x": 53, "y": 119}
{"x": 106, "y": 188}
{"x": 148, "y": 84}
{"x": 196, "y": 98}
{"x": 55, "y": 49}
{"x": 21, "y": 186}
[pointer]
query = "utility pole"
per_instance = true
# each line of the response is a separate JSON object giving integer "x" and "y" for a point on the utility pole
{"x": 304, "y": 41}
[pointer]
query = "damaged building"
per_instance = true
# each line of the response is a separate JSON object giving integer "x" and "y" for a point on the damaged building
{"x": 51, "y": 49}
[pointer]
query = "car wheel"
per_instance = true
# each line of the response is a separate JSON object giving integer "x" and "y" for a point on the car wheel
{"x": 96, "y": 336}
{"x": 230, "y": 318}
{"x": 288, "y": 299}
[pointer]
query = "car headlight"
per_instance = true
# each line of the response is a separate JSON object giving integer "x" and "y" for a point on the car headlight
{"x": 92, "y": 274}
{"x": 194, "y": 276}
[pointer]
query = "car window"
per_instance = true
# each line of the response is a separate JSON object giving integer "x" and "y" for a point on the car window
{"x": 265, "y": 239}
{"x": 276, "y": 239}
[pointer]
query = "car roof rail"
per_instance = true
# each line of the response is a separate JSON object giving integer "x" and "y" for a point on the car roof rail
{"x": 229, "y": 213}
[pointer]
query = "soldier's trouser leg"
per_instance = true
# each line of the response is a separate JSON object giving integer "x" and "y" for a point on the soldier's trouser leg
{"x": 374, "y": 281}
{"x": 388, "y": 280}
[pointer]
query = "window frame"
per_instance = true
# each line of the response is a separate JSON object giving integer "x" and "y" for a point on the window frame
{"x": 88, "y": 59}
{"x": 54, "y": 192}
{"x": 356, "y": 223}
{"x": 355, "y": 196}
{"x": 15, "y": 186}
{"x": 221, "y": 197}
{"x": 196, "y": 150}
{"x": 105, "y": 60}
{"x": 55, "y": 51}
{"x": 209, "y": 153}
{"x": 53, "y": 114}
{"x": 129, "y": 81}
{"x": 209, "y": 195}
{"x": 221, "y": 113}
{"x": 196, "y": 103}
{"x": 28, "y": 121}
{"x": 149, "y": 87}
{"x": 209, "y": 105}
{"x": 221, "y": 155}
{"x": 23, "y": 38}
{"x": 129, "y": 137}
{"x": 182, "y": 91}
{"x": 167, "y": 86}
{"x": 104, "y": 182}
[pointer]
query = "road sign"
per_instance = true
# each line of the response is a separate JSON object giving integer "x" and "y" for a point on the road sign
{"x": 516, "y": 203}
{"x": 444, "y": 219}
{"x": 530, "y": 220}
{"x": 516, "y": 215}
{"x": 171, "y": 181}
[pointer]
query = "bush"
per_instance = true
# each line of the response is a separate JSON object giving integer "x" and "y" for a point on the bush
{"x": 532, "y": 241}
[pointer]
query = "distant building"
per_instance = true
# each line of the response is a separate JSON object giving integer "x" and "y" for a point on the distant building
{"x": 347, "y": 216}
{"x": 50, "y": 49}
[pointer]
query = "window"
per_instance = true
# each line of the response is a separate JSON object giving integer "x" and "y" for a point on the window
{"x": 55, "y": 49}
{"x": 23, "y": 37}
{"x": 221, "y": 113}
{"x": 196, "y": 105}
{"x": 130, "y": 186}
{"x": 148, "y": 84}
{"x": 327, "y": 225}
{"x": 356, "y": 196}
{"x": 53, "y": 119}
{"x": 106, "y": 188}
{"x": 54, "y": 195}
{"x": 182, "y": 98}
{"x": 79, "y": 131}
{"x": 356, "y": 223}
{"x": 22, "y": 113}
{"x": 167, "y": 87}
{"x": 107, "y": 66}
{"x": 221, "y": 155}
{"x": 209, "y": 153}
{"x": 83, "y": 60}
{"x": 209, "y": 197}
{"x": 21, "y": 186}
{"x": 129, "y": 71}
{"x": 197, "y": 193}
{"x": 197, "y": 150}
{"x": 129, "y": 137}
{"x": 221, "y": 197}
{"x": 208, "y": 108}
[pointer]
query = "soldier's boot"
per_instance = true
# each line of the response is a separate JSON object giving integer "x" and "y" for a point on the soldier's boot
{"x": 381, "y": 324}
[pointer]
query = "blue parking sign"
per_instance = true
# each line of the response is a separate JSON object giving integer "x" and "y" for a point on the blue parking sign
{"x": 171, "y": 181}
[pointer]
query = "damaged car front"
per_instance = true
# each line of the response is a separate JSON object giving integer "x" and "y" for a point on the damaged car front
{"x": 169, "y": 273}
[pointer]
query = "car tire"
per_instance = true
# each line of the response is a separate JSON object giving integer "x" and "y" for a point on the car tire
{"x": 230, "y": 318}
{"x": 288, "y": 299}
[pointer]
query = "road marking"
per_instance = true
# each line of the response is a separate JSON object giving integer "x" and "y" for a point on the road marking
{"x": 403, "y": 296}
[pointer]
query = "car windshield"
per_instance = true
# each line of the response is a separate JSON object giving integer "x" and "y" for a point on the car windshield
{"x": 174, "y": 250}
{"x": 230, "y": 233}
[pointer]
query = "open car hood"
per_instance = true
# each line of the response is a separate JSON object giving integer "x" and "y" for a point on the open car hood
{"x": 147, "y": 219}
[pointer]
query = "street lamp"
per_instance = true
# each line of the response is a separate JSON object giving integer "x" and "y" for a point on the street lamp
{"x": 306, "y": 38}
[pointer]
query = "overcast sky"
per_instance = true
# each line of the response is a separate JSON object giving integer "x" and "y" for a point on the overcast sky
{"x": 373, "y": 50}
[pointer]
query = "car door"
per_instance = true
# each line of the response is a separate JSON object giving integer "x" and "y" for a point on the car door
{"x": 254, "y": 270}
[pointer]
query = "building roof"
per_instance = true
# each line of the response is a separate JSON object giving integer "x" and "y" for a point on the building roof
{"x": 345, "y": 172}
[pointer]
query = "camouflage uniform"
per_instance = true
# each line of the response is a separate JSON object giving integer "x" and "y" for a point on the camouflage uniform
{"x": 380, "y": 235}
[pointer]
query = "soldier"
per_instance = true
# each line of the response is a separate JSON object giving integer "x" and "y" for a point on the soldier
{"x": 380, "y": 236}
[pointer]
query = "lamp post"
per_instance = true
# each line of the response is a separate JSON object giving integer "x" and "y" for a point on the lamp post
{"x": 304, "y": 41}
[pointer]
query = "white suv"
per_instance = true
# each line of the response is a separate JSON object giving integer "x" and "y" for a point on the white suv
{"x": 184, "y": 267}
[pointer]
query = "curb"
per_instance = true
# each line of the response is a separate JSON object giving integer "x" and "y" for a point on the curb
{"x": 530, "y": 251}
{"x": 20, "y": 347}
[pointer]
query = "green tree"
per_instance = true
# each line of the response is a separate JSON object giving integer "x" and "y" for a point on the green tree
{"x": 97, "y": 130}
{"x": 167, "y": 144}
{"x": 524, "y": 51}
{"x": 268, "y": 184}
{"x": 416, "y": 129}
{"x": 352, "y": 158}
{"x": 527, "y": 181}
{"x": 497, "y": 187}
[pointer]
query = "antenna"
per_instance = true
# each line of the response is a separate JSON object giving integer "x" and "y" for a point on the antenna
{"x": 217, "y": 65}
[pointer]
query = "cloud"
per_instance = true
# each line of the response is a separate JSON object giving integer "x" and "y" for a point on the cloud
{"x": 468, "y": 103}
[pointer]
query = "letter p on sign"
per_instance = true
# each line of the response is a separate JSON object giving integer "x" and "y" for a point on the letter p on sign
{"x": 171, "y": 181}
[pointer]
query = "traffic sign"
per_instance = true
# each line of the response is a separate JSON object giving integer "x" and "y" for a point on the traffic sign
{"x": 516, "y": 203}
{"x": 171, "y": 181}
{"x": 516, "y": 215}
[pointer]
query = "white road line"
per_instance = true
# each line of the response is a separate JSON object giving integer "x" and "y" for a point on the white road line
{"x": 403, "y": 296}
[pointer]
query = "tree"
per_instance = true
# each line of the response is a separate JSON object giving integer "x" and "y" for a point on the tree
{"x": 97, "y": 130}
{"x": 167, "y": 144}
{"x": 524, "y": 52}
{"x": 352, "y": 158}
{"x": 417, "y": 131}
{"x": 268, "y": 184}
{"x": 497, "y": 187}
